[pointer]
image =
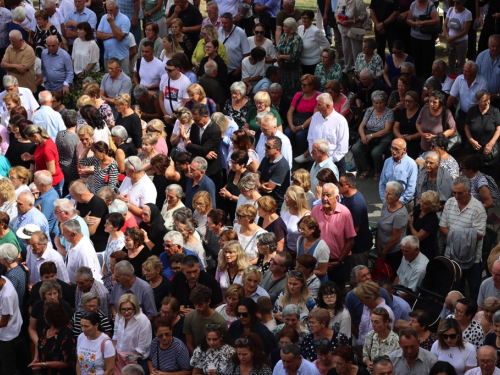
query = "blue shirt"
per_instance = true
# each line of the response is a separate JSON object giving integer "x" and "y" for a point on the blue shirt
{"x": 405, "y": 172}
{"x": 87, "y": 15}
{"x": 400, "y": 308}
{"x": 205, "y": 184}
{"x": 490, "y": 70}
{"x": 273, "y": 7}
{"x": 46, "y": 201}
{"x": 112, "y": 46}
{"x": 57, "y": 70}
{"x": 306, "y": 368}
{"x": 263, "y": 84}
{"x": 355, "y": 306}
{"x": 226, "y": 140}
{"x": 359, "y": 212}
{"x": 50, "y": 120}
{"x": 33, "y": 216}
{"x": 167, "y": 266}
{"x": 466, "y": 94}
{"x": 5, "y": 20}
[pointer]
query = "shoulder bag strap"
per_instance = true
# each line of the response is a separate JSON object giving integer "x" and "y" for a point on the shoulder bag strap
{"x": 298, "y": 101}
{"x": 158, "y": 356}
{"x": 170, "y": 95}
{"x": 251, "y": 239}
{"x": 227, "y": 37}
{"x": 139, "y": 68}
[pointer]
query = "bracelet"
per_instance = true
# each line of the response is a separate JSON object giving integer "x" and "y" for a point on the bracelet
{"x": 302, "y": 127}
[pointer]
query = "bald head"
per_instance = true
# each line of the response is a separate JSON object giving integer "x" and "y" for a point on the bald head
{"x": 43, "y": 181}
{"x": 398, "y": 149}
{"x": 52, "y": 44}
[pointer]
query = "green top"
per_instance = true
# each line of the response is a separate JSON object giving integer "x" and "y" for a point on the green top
{"x": 10, "y": 237}
{"x": 252, "y": 121}
{"x": 158, "y": 48}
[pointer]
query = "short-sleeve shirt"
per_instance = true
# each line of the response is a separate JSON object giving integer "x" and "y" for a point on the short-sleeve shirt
{"x": 374, "y": 125}
{"x": 277, "y": 172}
{"x": 190, "y": 17}
{"x": 389, "y": 221}
{"x": 90, "y": 356}
{"x": 359, "y": 212}
{"x": 236, "y": 44}
{"x": 433, "y": 124}
{"x": 458, "y": 358}
{"x": 415, "y": 13}
{"x": 282, "y": 16}
{"x": 173, "y": 359}
{"x": 97, "y": 208}
{"x": 180, "y": 289}
{"x": 45, "y": 153}
{"x": 456, "y": 22}
{"x": 174, "y": 91}
{"x": 383, "y": 9}
{"x": 195, "y": 325}
{"x": 112, "y": 46}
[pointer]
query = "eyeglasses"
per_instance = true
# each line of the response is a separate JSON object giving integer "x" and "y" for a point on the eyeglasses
{"x": 242, "y": 341}
{"x": 452, "y": 336}
{"x": 321, "y": 342}
{"x": 396, "y": 149}
{"x": 268, "y": 147}
{"x": 274, "y": 262}
{"x": 170, "y": 70}
{"x": 167, "y": 246}
{"x": 295, "y": 181}
{"x": 127, "y": 310}
{"x": 457, "y": 311}
{"x": 258, "y": 32}
{"x": 239, "y": 216}
{"x": 331, "y": 295}
{"x": 162, "y": 335}
{"x": 488, "y": 362}
{"x": 213, "y": 326}
{"x": 241, "y": 314}
{"x": 325, "y": 57}
{"x": 302, "y": 229}
{"x": 409, "y": 101}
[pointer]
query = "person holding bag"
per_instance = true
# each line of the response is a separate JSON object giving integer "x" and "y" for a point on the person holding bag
{"x": 351, "y": 16}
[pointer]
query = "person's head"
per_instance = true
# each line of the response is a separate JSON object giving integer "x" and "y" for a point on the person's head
{"x": 11, "y": 100}
{"x": 296, "y": 285}
{"x": 465, "y": 309}
{"x": 90, "y": 323}
{"x": 152, "y": 268}
{"x": 470, "y": 70}
{"x": 124, "y": 272}
{"x": 232, "y": 253}
{"x": 275, "y": 91}
{"x": 482, "y": 99}
{"x": 212, "y": 10}
{"x": 410, "y": 247}
{"x": 36, "y": 134}
{"x": 90, "y": 301}
{"x": 366, "y": 77}
{"x": 471, "y": 164}
{"x": 84, "y": 279}
{"x": 258, "y": 54}
{"x": 494, "y": 45}
{"x": 308, "y": 82}
{"x": 461, "y": 187}
{"x": 8, "y": 254}
{"x": 41, "y": 17}
{"x": 291, "y": 358}
{"x": 329, "y": 196}
{"x": 4, "y": 225}
{"x": 196, "y": 93}
{"x": 132, "y": 369}
{"x": 325, "y": 104}
{"x": 369, "y": 46}
{"x": 216, "y": 219}
{"x": 287, "y": 335}
{"x": 8, "y": 191}
{"x": 382, "y": 366}
{"x": 233, "y": 294}
{"x": 490, "y": 306}
{"x": 246, "y": 214}
{"x": 215, "y": 337}
{"x": 202, "y": 202}
{"x": 24, "y": 202}
{"x": 170, "y": 308}
{"x": 251, "y": 277}
{"x": 318, "y": 320}
{"x": 442, "y": 368}
{"x": 52, "y": 44}
{"x": 487, "y": 359}
{"x": 449, "y": 334}
{"x": 367, "y": 292}
{"x": 246, "y": 311}
{"x": 48, "y": 271}
{"x": 408, "y": 341}
{"x": 227, "y": 22}
{"x": 249, "y": 351}
{"x": 296, "y": 197}
{"x": 128, "y": 306}
{"x": 329, "y": 297}
{"x": 19, "y": 14}
{"x": 380, "y": 320}
{"x": 419, "y": 320}
{"x": 50, "y": 291}
{"x": 308, "y": 227}
{"x": 55, "y": 315}
{"x": 191, "y": 268}
{"x": 84, "y": 30}
{"x": 320, "y": 150}
{"x": 200, "y": 296}
{"x": 134, "y": 237}
{"x": 248, "y": 185}
{"x": 114, "y": 68}
{"x": 307, "y": 17}
{"x": 16, "y": 39}
{"x": 267, "y": 243}
{"x": 327, "y": 59}
{"x": 290, "y": 26}
{"x": 259, "y": 29}
{"x": 393, "y": 191}
{"x": 343, "y": 357}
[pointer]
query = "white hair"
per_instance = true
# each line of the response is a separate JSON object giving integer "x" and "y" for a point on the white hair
{"x": 326, "y": 98}
{"x": 10, "y": 80}
{"x": 64, "y": 204}
{"x": 177, "y": 189}
{"x": 270, "y": 120}
{"x": 210, "y": 67}
{"x": 44, "y": 97}
{"x": 324, "y": 145}
{"x": 412, "y": 241}
{"x": 333, "y": 186}
{"x": 174, "y": 237}
{"x": 240, "y": 87}
{"x": 16, "y": 34}
{"x": 19, "y": 14}
{"x": 118, "y": 206}
{"x": 396, "y": 187}
{"x": 28, "y": 197}
{"x": 8, "y": 252}
{"x": 133, "y": 162}
{"x": 44, "y": 177}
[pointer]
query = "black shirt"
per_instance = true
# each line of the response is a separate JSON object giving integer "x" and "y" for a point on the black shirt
{"x": 430, "y": 224}
{"x": 37, "y": 312}
{"x": 279, "y": 174}
{"x": 139, "y": 259}
{"x": 16, "y": 149}
{"x": 180, "y": 289}
{"x": 161, "y": 291}
{"x": 68, "y": 293}
{"x": 97, "y": 208}
{"x": 222, "y": 73}
{"x": 384, "y": 8}
{"x": 132, "y": 125}
{"x": 190, "y": 17}
{"x": 366, "y": 96}
{"x": 483, "y": 127}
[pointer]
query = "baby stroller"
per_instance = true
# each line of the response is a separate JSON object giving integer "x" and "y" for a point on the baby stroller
{"x": 442, "y": 275}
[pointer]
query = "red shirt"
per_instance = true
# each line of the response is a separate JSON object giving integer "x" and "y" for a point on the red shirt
{"x": 45, "y": 153}
{"x": 130, "y": 223}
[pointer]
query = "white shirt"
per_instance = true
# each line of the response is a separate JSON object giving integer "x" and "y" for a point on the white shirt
{"x": 151, "y": 72}
{"x": 87, "y": 349}
{"x": 334, "y": 129}
{"x": 313, "y": 42}
{"x": 230, "y": 6}
{"x": 85, "y": 53}
{"x": 9, "y": 305}
{"x": 411, "y": 273}
{"x": 136, "y": 337}
{"x": 30, "y": 14}
{"x": 140, "y": 193}
{"x": 248, "y": 70}
{"x": 28, "y": 101}
{"x": 249, "y": 243}
{"x": 83, "y": 254}
{"x": 49, "y": 255}
{"x": 22, "y": 189}
{"x": 458, "y": 358}
{"x": 446, "y": 85}
{"x": 286, "y": 147}
{"x": 268, "y": 47}
{"x": 177, "y": 92}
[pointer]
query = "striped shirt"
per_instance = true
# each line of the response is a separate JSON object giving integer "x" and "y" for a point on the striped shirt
{"x": 104, "y": 324}
{"x": 100, "y": 179}
{"x": 472, "y": 216}
{"x": 174, "y": 358}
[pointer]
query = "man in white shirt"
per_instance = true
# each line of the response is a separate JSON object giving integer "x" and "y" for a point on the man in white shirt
{"x": 28, "y": 101}
{"x": 41, "y": 253}
{"x": 173, "y": 89}
{"x": 487, "y": 360}
{"x": 269, "y": 127}
{"x": 10, "y": 327}
{"x": 439, "y": 72}
{"x": 150, "y": 68}
{"x": 81, "y": 253}
{"x": 137, "y": 189}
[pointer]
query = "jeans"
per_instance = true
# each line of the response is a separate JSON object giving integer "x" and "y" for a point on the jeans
{"x": 59, "y": 188}
{"x": 298, "y": 139}
{"x": 341, "y": 166}
{"x": 359, "y": 150}
{"x": 473, "y": 277}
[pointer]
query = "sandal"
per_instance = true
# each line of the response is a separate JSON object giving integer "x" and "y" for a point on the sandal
{"x": 376, "y": 177}
{"x": 364, "y": 175}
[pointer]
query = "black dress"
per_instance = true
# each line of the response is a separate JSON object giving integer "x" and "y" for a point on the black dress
{"x": 132, "y": 124}
{"x": 408, "y": 126}
{"x": 155, "y": 229}
{"x": 16, "y": 149}
{"x": 139, "y": 259}
{"x": 229, "y": 204}
{"x": 278, "y": 227}
{"x": 128, "y": 149}
{"x": 161, "y": 182}
{"x": 430, "y": 224}
{"x": 161, "y": 291}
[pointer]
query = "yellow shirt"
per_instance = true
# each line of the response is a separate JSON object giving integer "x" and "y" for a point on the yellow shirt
{"x": 199, "y": 52}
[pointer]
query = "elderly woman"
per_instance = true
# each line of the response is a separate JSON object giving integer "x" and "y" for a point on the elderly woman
{"x": 170, "y": 308}
{"x": 381, "y": 340}
{"x": 239, "y": 105}
{"x": 430, "y": 85}
{"x": 248, "y": 230}
{"x": 214, "y": 351}
{"x": 233, "y": 294}
{"x": 137, "y": 252}
{"x": 291, "y": 318}
{"x": 464, "y": 312}
{"x": 8, "y": 200}
{"x": 368, "y": 59}
{"x": 184, "y": 41}
{"x": 151, "y": 32}
{"x": 259, "y": 40}
{"x": 423, "y": 222}
{"x": 434, "y": 178}
{"x": 405, "y": 124}
{"x": 207, "y": 34}
{"x": 419, "y": 322}
{"x": 10, "y": 100}
{"x": 482, "y": 128}
{"x": 128, "y": 119}
{"x": 270, "y": 221}
{"x": 493, "y": 338}
{"x": 313, "y": 42}
{"x": 132, "y": 334}
{"x": 369, "y": 295}
{"x": 328, "y": 69}
{"x": 153, "y": 228}
{"x": 262, "y": 102}
{"x": 317, "y": 321}
{"x": 105, "y": 167}
{"x": 249, "y": 191}
{"x": 296, "y": 292}
{"x": 340, "y": 102}
{"x": 231, "y": 191}
{"x": 148, "y": 152}
{"x": 439, "y": 144}
{"x": 18, "y": 17}
{"x": 392, "y": 225}
{"x": 148, "y": 102}
{"x": 267, "y": 250}
{"x": 288, "y": 52}
{"x": 197, "y": 95}
{"x": 483, "y": 187}
{"x": 119, "y": 135}
{"x": 90, "y": 303}
{"x": 93, "y": 90}
{"x": 355, "y": 15}
{"x": 202, "y": 202}
{"x": 432, "y": 120}
{"x": 232, "y": 262}
{"x": 184, "y": 122}
{"x": 251, "y": 278}
{"x": 330, "y": 298}
{"x": 396, "y": 100}
{"x": 55, "y": 348}
{"x": 375, "y": 136}
{"x": 43, "y": 30}
{"x": 152, "y": 270}
{"x": 490, "y": 306}
{"x": 9, "y": 255}
{"x": 172, "y": 202}
{"x": 187, "y": 228}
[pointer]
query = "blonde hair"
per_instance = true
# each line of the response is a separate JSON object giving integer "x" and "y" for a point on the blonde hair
{"x": 304, "y": 178}
{"x": 241, "y": 258}
{"x": 153, "y": 263}
{"x": 159, "y": 126}
{"x": 129, "y": 298}
{"x": 433, "y": 198}
{"x": 85, "y": 130}
{"x": 262, "y": 96}
{"x": 305, "y": 294}
{"x": 297, "y": 194}
{"x": 7, "y": 189}
{"x": 247, "y": 210}
{"x": 194, "y": 88}
{"x": 20, "y": 172}
{"x": 252, "y": 271}
{"x": 267, "y": 203}
{"x": 123, "y": 99}
{"x": 85, "y": 100}
{"x": 211, "y": 31}
{"x": 179, "y": 21}
{"x": 33, "y": 129}
{"x": 12, "y": 97}
{"x": 150, "y": 138}
{"x": 92, "y": 89}
{"x": 207, "y": 199}
{"x": 367, "y": 290}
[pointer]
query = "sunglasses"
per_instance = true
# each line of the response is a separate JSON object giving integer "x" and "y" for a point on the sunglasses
{"x": 269, "y": 147}
{"x": 321, "y": 342}
{"x": 453, "y": 336}
{"x": 239, "y": 216}
{"x": 241, "y": 341}
{"x": 259, "y": 32}
{"x": 243, "y": 314}
{"x": 295, "y": 273}
{"x": 170, "y": 70}
{"x": 295, "y": 181}
{"x": 213, "y": 326}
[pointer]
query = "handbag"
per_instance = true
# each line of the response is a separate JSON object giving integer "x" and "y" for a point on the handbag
{"x": 121, "y": 362}
{"x": 492, "y": 157}
{"x": 357, "y": 33}
{"x": 300, "y": 117}
{"x": 382, "y": 270}
{"x": 455, "y": 141}
{"x": 429, "y": 29}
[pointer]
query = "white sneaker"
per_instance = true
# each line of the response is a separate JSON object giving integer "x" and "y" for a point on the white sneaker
{"x": 301, "y": 159}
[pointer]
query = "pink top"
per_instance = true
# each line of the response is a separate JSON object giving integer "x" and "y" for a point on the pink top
{"x": 343, "y": 107}
{"x": 161, "y": 146}
{"x": 336, "y": 229}
{"x": 4, "y": 146}
{"x": 305, "y": 105}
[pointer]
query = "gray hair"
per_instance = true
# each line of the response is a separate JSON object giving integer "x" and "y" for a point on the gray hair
{"x": 84, "y": 272}
{"x": 132, "y": 369}
{"x": 367, "y": 73}
{"x": 43, "y": 177}
{"x": 202, "y": 163}
{"x": 354, "y": 271}
{"x": 261, "y": 115}
{"x": 291, "y": 349}
{"x": 174, "y": 237}
{"x": 496, "y": 317}
{"x": 333, "y": 186}
{"x": 49, "y": 3}
{"x": 268, "y": 239}
{"x": 73, "y": 226}
{"x": 433, "y": 82}
{"x": 88, "y": 80}
{"x": 478, "y": 95}
{"x": 182, "y": 214}
{"x": 412, "y": 241}
{"x": 8, "y": 252}
{"x": 276, "y": 86}
{"x": 16, "y": 34}
{"x": 19, "y": 14}
{"x": 213, "y": 4}
{"x": 112, "y": 2}
{"x": 442, "y": 65}
{"x": 379, "y": 95}
{"x": 249, "y": 182}
{"x": 433, "y": 154}
{"x": 326, "y": 98}
{"x": 48, "y": 286}
{"x": 291, "y": 310}
{"x": 28, "y": 196}
{"x": 324, "y": 145}
{"x": 87, "y": 297}
{"x": 64, "y": 204}
{"x": 120, "y": 132}
{"x": 462, "y": 180}
{"x": 396, "y": 187}
{"x": 70, "y": 118}
{"x": 211, "y": 66}
{"x": 189, "y": 223}
{"x": 133, "y": 162}
{"x": 408, "y": 65}
{"x": 124, "y": 266}
{"x": 177, "y": 189}
{"x": 118, "y": 206}
{"x": 140, "y": 91}
{"x": 44, "y": 97}
{"x": 291, "y": 23}
{"x": 269, "y": 119}
{"x": 494, "y": 36}
{"x": 473, "y": 65}
{"x": 11, "y": 80}
{"x": 42, "y": 237}
{"x": 240, "y": 87}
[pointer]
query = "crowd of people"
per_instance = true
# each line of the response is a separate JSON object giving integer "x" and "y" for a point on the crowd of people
{"x": 198, "y": 213}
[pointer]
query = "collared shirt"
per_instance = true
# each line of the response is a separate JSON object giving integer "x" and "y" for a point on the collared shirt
{"x": 286, "y": 147}
{"x": 143, "y": 292}
{"x": 207, "y": 21}
{"x": 86, "y": 15}
{"x": 100, "y": 290}
{"x": 405, "y": 172}
{"x": 57, "y": 69}
{"x": 49, "y": 255}
{"x": 334, "y": 129}
{"x": 140, "y": 193}
{"x": 205, "y": 184}
{"x": 49, "y": 119}
{"x": 276, "y": 172}
{"x": 26, "y": 57}
{"x": 260, "y": 292}
{"x": 236, "y": 44}
{"x": 202, "y": 130}
{"x": 466, "y": 94}
{"x": 5, "y": 19}
{"x": 422, "y": 364}
{"x": 373, "y": 348}
{"x": 306, "y": 368}
{"x": 33, "y": 216}
{"x": 490, "y": 70}
{"x": 336, "y": 229}
{"x": 83, "y": 254}
{"x": 135, "y": 337}
{"x": 316, "y": 168}
{"x": 411, "y": 273}
{"x": 478, "y": 371}
{"x": 46, "y": 202}
{"x": 85, "y": 232}
{"x": 127, "y": 7}
{"x": 400, "y": 308}
{"x": 122, "y": 84}
{"x": 28, "y": 101}
{"x": 487, "y": 289}
{"x": 112, "y": 46}
{"x": 472, "y": 216}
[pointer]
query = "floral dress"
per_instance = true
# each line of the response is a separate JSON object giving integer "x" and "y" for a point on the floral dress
{"x": 106, "y": 113}
{"x": 238, "y": 115}
{"x": 307, "y": 345}
{"x": 233, "y": 369}
{"x": 160, "y": 13}
{"x": 290, "y": 78}
{"x": 376, "y": 65}
{"x": 60, "y": 348}
{"x": 111, "y": 247}
{"x": 219, "y": 358}
{"x": 335, "y": 74}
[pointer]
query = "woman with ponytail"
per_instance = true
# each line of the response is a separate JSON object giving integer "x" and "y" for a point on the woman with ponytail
{"x": 105, "y": 167}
